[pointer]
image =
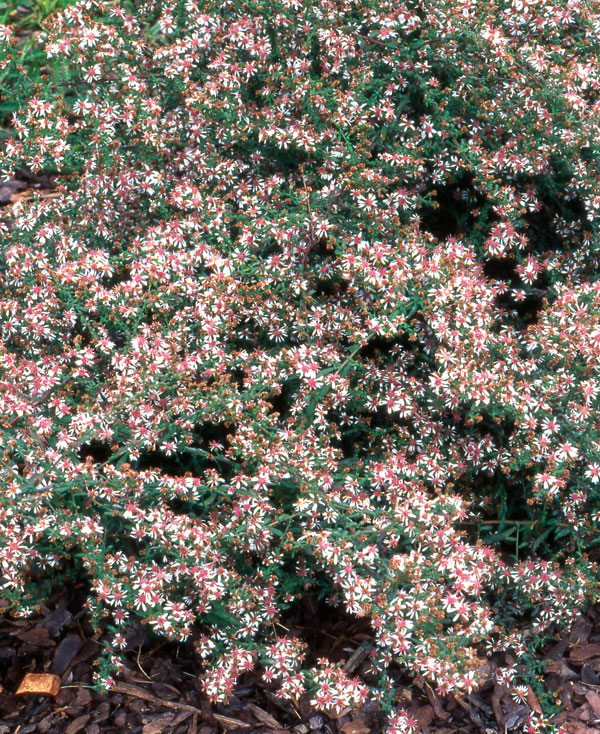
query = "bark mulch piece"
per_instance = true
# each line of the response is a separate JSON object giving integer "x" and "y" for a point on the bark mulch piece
{"x": 159, "y": 692}
{"x": 39, "y": 684}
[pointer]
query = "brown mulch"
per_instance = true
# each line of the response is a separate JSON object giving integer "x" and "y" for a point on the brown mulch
{"x": 159, "y": 691}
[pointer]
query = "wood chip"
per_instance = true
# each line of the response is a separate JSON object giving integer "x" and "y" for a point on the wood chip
{"x": 479, "y": 703}
{"x": 65, "y": 653}
{"x": 436, "y": 703}
{"x": 229, "y": 723}
{"x": 77, "y": 724}
{"x": 280, "y": 703}
{"x": 40, "y": 684}
{"x": 560, "y": 668}
{"x": 129, "y": 689}
{"x": 498, "y": 694}
{"x": 559, "y": 649}
{"x": 56, "y": 621}
{"x": 589, "y": 675}
{"x": 181, "y": 716}
{"x": 585, "y": 653}
{"x": 580, "y": 632}
{"x": 424, "y": 715}
{"x": 577, "y": 727}
{"x": 594, "y": 701}
{"x": 355, "y": 660}
{"x": 265, "y": 717}
{"x": 532, "y": 701}
{"x": 37, "y": 636}
{"x": 357, "y": 726}
{"x": 158, "y": 724}
{"x": 515, "y": 715}
{"x": 584, "y": 713}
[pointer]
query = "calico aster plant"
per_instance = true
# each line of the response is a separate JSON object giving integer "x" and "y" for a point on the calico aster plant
{"x": 316, "y": 305}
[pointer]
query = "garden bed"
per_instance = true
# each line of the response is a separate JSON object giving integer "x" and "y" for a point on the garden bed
{"x": 159, "y": 691}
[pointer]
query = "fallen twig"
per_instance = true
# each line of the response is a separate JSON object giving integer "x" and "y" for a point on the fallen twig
{"x": 230, "y": 723}
{"x": 130, "y": 690}
{"x": 265, "y": 717}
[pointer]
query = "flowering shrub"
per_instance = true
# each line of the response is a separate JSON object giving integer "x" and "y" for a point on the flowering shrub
{"x": 318, "y": 299}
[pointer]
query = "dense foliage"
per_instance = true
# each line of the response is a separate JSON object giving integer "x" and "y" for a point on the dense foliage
{"x": 316, "y": 311}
